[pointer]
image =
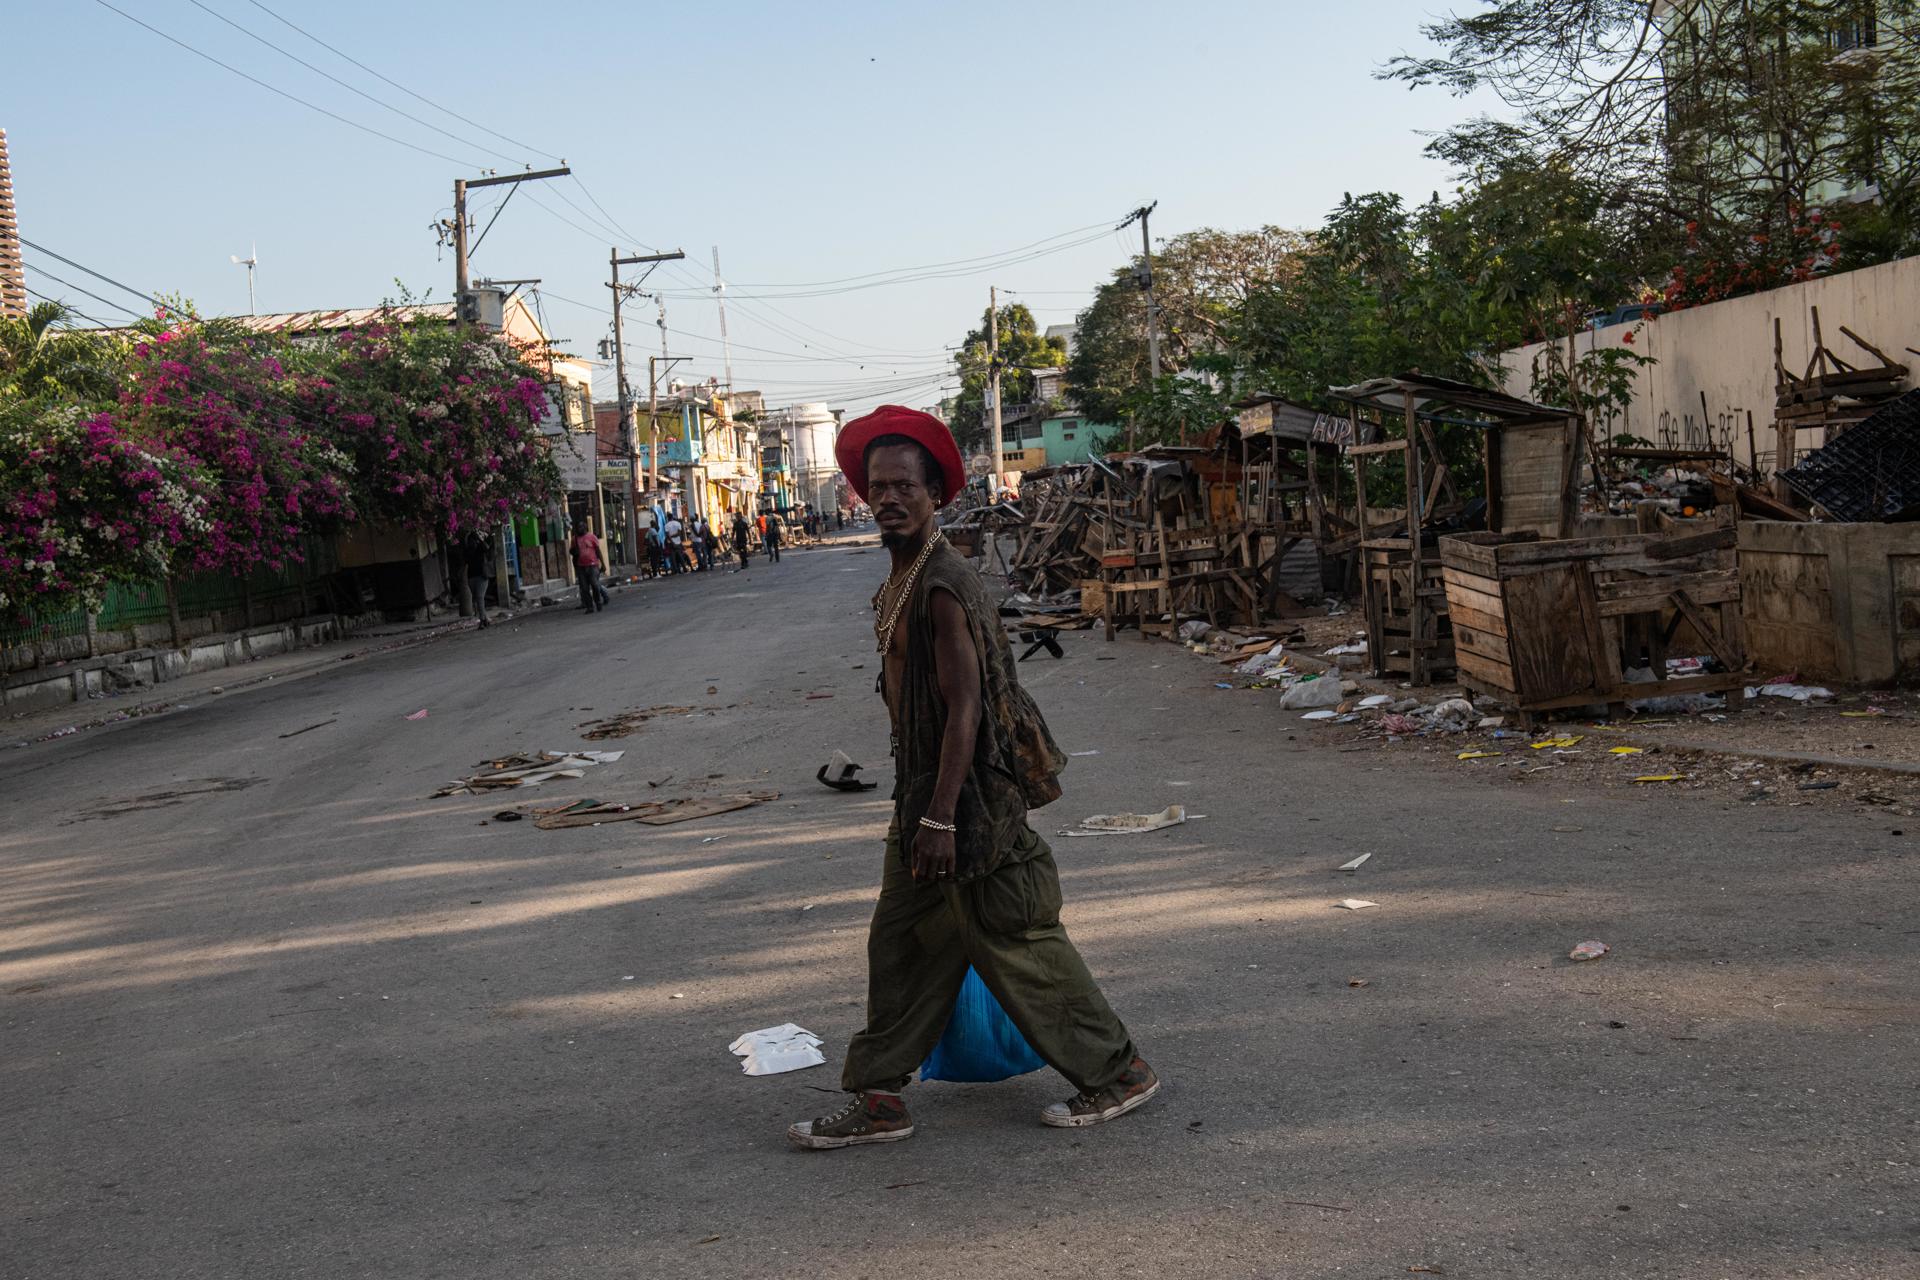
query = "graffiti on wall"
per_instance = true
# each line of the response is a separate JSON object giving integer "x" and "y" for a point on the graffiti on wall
{"x": 1700, "y": 432}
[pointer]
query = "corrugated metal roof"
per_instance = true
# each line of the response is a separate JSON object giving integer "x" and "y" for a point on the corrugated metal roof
{"x": 344, "y": 318}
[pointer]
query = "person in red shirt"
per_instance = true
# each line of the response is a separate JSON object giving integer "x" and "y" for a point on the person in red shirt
{"x": 585, "y": 550}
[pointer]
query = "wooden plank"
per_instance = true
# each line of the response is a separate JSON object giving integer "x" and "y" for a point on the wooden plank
{"x": 1373, "y": 450}
{"x": 1707, "y": 631}
{"x": 1553, "y": 652}
{"x": 1458, "y": 553}
{"x": 1635, "y": 692}
{"x": 1490, "y": 623}
{"x": 1675, "y": 548}
{"x": 1483, "y": 644}
{"x": 1497, "y": 675}
{"x": 1461, "y": 594}
{"x": 1642, "y": 595}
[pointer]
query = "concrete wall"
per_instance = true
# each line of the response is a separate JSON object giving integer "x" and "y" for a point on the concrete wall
{"x": 1725, "y": 351}
{"x": 1835, "y": 602}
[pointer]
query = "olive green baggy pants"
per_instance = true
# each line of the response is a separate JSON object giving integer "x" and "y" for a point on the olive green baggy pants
{"x": 1006, "y": 924}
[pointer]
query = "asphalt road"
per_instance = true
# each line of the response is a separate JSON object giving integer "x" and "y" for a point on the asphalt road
{"x": 268, "y": 1010}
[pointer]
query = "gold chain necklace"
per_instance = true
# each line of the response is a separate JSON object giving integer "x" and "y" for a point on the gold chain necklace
{"x": 884, "y": 630}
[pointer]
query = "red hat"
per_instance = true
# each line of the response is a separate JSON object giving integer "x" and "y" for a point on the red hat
{"x": 850, "y": 450}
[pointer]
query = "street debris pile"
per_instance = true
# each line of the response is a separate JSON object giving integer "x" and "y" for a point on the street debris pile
{"x": 772, "y": 1051}
{"x": 655, "y": 813}
{"x": 619, "y": 726}
{"x": 527, "y": 771}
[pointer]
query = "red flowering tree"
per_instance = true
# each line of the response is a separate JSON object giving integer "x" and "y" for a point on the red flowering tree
{"x": 85, "y": 503}
{"x": 223, "y": 397}
{"x": 441, "y": 425}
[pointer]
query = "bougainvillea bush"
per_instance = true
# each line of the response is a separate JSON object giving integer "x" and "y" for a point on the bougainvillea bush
{"x": 84, "y": 504}
{"x": 442, "y": 428}
{"x": 224, "y": 398}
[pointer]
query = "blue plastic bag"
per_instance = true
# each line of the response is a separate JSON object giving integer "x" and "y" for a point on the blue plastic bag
{"x": 980, "y": 1042}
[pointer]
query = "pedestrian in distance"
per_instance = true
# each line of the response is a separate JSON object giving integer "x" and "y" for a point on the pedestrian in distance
{"x": 967, "y": 881}
{"x": 656, "y": 551}
{"x": 703, "y": 543}
{"x": 742, "y": 540}
{"x": 676, "y": 537}
{"x": 584, "y": 548}
{"x": 775, "y": 528}
{"x": 476, "y": 562}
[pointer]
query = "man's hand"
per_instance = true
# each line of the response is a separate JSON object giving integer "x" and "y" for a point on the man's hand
{"x": 933, "y": 855}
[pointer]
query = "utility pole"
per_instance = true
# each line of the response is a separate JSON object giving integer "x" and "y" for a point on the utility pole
{"x": 993, "y": 385}
{"x": 459, "y": 229}
{"x": 615, "y": 262}
{"x": 720, "y": 292}
{"x": 1145, "y": 278}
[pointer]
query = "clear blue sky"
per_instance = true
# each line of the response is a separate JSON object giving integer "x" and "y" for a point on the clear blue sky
{"x": 810, "y": 142}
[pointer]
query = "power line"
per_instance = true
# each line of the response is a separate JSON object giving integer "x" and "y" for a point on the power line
{"x": 332, "y": 115}
{"x": 67, "y": 307}
{"x": 815, "y": 284}
{"x": 403, "y": 88}
{"x": 41, "y": 271}
{"x": 140, "y": 294}
{"x": 425, "y": 124}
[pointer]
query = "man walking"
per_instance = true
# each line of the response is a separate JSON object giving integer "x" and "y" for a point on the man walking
{"x": 476, "y": 562}
{"x": 967, "y": 882}
{"x": 742, "y": 544}
{"x": 775, "y": 527}
{"x": 703, "y": 543}
{"x": 676, "y": 533}
{"x": 585, "y": 550}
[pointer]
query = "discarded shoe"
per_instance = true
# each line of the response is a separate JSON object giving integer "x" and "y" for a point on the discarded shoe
{"x": 1135, "y": 1085}
{"x": 838, "y": 774}
{"x": 869, "y": 1116}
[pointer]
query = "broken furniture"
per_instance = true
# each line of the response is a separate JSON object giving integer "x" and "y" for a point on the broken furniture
{"x": 1553, "y": 624}
{"x": 1530, "y": 456}
{"x": 1828, "y": 399}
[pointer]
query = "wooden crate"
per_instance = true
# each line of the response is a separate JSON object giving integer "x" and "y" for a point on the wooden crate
{"x": 1093, "y": 598}
{"x": 1554, "y": 624}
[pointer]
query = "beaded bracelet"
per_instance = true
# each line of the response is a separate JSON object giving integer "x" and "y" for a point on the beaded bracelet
{"x": 931, "y": 825}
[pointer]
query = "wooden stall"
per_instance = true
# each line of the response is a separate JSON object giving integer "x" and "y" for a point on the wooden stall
{"x": 1529, "y": 454}
{"x": 1552, "y": 624}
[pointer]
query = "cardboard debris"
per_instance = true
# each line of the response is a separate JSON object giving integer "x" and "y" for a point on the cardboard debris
{"x": 528, "y": 771}
{"x": 1355, "y": 864}
{"x": 1355, "y": 904}
{"x": 1129, "y": 824}
{"x": 655, "y": 813}
{"x": 619, "y": 726}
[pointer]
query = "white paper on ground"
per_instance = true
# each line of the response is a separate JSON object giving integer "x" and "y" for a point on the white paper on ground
{"x": 1129, "y": 824}
{"x": 1355, "y": 904}
{"x": 1355, "y": 864}
{"x": 1376, "y": 700}
{"x": 1319, "y": 715}
{"x": 773, "y": 1050}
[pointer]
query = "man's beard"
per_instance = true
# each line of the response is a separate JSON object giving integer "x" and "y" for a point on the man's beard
{"x": 893, "y": 541}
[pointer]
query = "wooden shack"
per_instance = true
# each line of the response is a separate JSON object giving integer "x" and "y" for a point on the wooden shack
{"x": 1529, "y": 456}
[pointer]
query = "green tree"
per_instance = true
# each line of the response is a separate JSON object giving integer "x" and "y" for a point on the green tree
{"x": 41, "y": 354}
{"x": 1022, "y": 349}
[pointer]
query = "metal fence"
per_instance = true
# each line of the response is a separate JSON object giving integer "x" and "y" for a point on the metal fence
{"x": 207, "y": 602}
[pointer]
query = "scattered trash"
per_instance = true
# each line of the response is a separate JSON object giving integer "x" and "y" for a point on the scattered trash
{"x": 619, "y": 726}
{"x": 310, "y": 728}
{"x": 771, "y": 1051}
{"x": 1375, "y": 700}
{"x": 815, "y": 697}
{"x": 1128, "y": 824}
{"x": 1588, "y": 951}
{"x": 1340, "y": 650}
{"x": 1083, "y": 753}
{"x": 1320, "y": 715}
{"x": 1221, "y": 684}
{"x": 655, "y": 813}
{"x": 712, "y": 689}
{"x": 839, "y": 772}
{"x": 1355, "y": 864}
{"x": 421, "y": 714}
{"x": 1355, "y": 904}
{"x": 1310, "y": 692}
{"x": 1358, "y": 982}
{"x": 1569, "y": 740}
{"x": 1626, "y": 751}
{"x": 1566, "y": 830}
{"x": 1660, "y": 777}
{"x": 1818, "y": 786}
{"x": 1788, "y": 689}
{"x": 528, "y": 771}
{"x": 508, "y": 815}
{"x": 1478, "y": 755}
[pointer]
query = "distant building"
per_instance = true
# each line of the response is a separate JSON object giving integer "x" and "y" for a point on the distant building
{"x": 13, "y": 280}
